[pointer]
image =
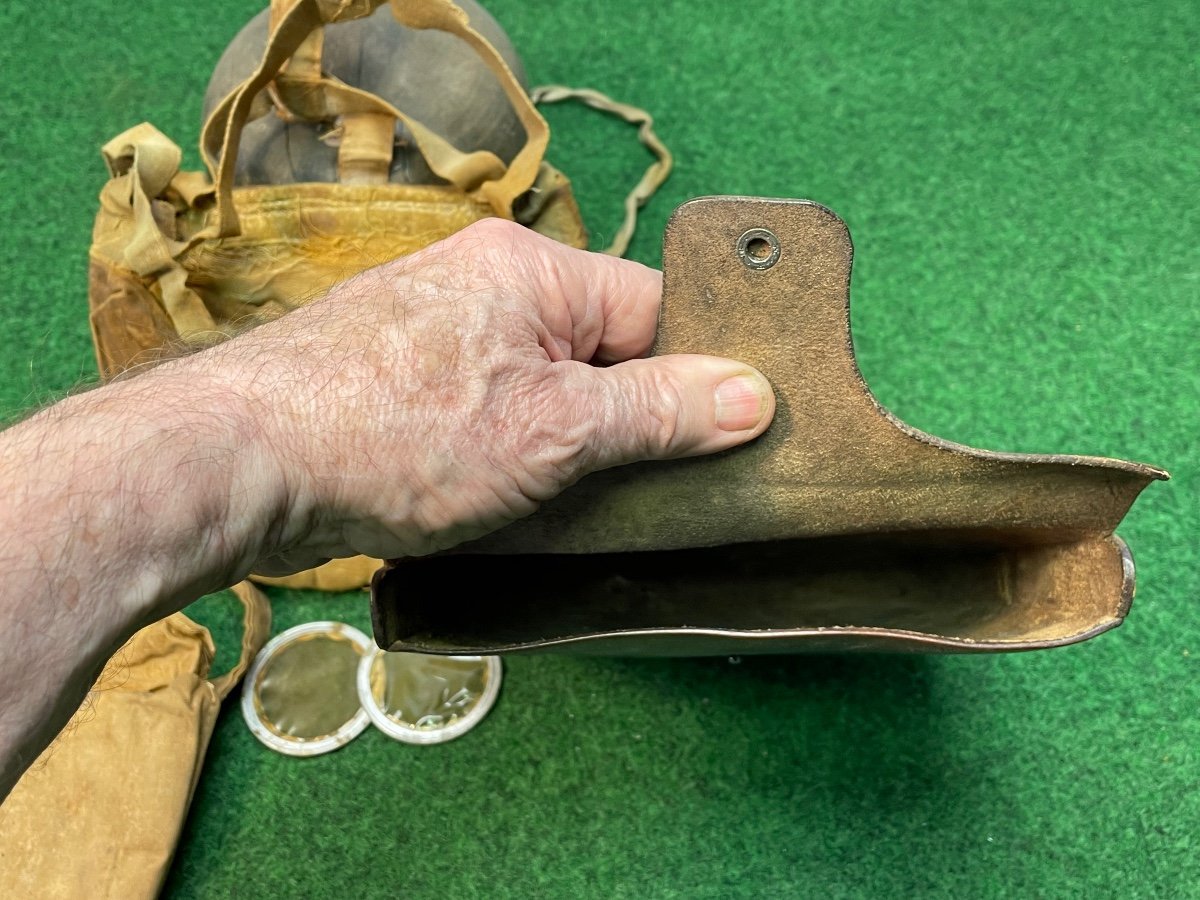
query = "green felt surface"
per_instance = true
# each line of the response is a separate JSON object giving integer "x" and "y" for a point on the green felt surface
{"x": 1020, "y": 179}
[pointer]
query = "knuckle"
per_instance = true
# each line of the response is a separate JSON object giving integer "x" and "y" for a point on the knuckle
{"x": 494, "y": 228}
{"x": 498, "y": 248}
{"x": 493, "y": 239}
{"x": 559, "y": 438}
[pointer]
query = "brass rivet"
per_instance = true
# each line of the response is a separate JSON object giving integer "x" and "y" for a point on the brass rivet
{"x": 758, "y": 248}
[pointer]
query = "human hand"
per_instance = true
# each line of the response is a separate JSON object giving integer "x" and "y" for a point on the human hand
{"x": 436, "y": 398}
{"x": 420, "y": 404}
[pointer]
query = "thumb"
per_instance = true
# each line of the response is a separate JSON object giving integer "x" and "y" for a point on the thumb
{"x": 672, "y": 406}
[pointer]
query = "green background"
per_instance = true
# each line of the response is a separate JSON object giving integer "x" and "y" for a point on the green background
{"x": 1020, "y": 179}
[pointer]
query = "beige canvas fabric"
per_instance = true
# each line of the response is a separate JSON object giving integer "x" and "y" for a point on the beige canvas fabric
{"x": 99, "y": 814}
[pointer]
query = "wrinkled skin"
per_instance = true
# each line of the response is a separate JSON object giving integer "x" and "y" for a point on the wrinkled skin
{"x": 432, "y": 400}
{"x": 416, "y": 406}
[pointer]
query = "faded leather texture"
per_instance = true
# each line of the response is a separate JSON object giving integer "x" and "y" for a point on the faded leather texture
{"x": 840, "y": 529}
{"x": 99, "y": 813}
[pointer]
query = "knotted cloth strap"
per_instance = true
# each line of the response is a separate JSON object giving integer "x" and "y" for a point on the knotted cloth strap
{"x": 143, "y": 162}
{"x": 305, "y": 64}
{"x": 655, "y": 175}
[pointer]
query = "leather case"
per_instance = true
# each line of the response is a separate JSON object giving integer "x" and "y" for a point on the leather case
{"x": 841, "y": 528}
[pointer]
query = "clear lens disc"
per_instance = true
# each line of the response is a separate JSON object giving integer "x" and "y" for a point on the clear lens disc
{"x": 422, "y": 699}
{"x": 300, "y": 696}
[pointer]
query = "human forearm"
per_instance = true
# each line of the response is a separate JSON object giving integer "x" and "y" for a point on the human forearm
{"x": 418, "y": 405}
{"x": 121, "y": 505}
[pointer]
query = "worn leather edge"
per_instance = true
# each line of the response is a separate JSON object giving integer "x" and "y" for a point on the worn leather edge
{"x": 764, "y": 641}
{"x": 1150, "y": 472}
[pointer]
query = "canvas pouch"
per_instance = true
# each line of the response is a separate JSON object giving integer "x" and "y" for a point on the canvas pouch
{"x": 99, "y": 813}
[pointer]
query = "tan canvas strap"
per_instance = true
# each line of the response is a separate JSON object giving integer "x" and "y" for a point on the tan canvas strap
{"x": 256, "y": 628}
{"x": 334, "y": 99}
{"x": 305, "y": 64}
{"x": 367, "y": 139}
{"x": 656, "y": 174}
{"x": 479, "y": 173}
{"x": 143, "y": 162}
{"x": 445, "y": 15}
{"x": 365, "y": 150}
